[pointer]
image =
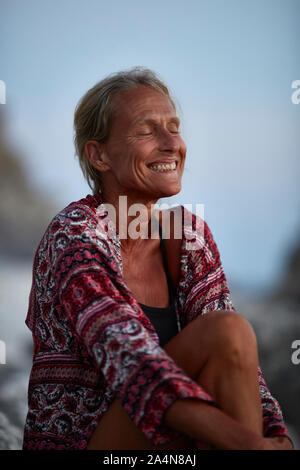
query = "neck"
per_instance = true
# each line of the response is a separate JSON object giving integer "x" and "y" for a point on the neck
{"x": 135, "y": 217}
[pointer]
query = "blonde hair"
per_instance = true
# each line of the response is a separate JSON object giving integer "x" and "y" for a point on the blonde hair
{"x": 95, "y": 111}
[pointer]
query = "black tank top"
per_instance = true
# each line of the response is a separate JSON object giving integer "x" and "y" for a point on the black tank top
{"x": 163, "y": 319}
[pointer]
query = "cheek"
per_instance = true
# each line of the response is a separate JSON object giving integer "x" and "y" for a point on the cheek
{"x": 183, "y": 146}
{"x": 183, "y": 152}
{"x": 141, "y": 152}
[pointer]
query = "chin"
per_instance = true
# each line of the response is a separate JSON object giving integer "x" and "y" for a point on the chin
{"x": 171, "y": 191}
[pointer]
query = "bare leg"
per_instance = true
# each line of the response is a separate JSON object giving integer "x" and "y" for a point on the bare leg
{"x": 236, "y": 392}
{"x": 218, "y": 350}
{"x": 230, "y": 374}
{"x": 235, "y": 389}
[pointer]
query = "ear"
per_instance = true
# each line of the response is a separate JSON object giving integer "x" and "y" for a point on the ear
{"x": 95, "y": 152}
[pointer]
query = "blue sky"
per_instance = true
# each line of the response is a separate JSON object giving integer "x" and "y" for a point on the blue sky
{"x": 230, "y": 65}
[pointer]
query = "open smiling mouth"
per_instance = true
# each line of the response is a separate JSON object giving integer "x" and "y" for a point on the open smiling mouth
{"x": 162, "y": 167}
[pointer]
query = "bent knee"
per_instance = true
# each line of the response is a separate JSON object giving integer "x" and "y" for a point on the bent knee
{"x": 219, "y": 334}
{"x": 230, "y": 323}
{"x": 234, "y": 337}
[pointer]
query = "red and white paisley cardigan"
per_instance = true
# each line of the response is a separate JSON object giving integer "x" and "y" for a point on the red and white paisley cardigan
{"x": 92, "y": 341}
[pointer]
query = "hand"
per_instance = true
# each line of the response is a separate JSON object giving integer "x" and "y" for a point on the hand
{"x": 277, "y": 443}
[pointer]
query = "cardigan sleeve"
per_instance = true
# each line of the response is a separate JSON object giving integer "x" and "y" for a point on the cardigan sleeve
{"x": 208, "y": 288}
{"x": 101, "y": 313}
{"x": 209, "y": 292}
{"x": 273, "y": 422}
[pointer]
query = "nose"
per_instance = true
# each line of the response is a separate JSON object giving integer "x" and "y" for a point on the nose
{"x": 168, "y": 142}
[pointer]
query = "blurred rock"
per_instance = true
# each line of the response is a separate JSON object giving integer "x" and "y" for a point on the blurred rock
{"x": 13, "y": 406}
{"x": 288, "y": 287}
{"x": 276, "y": 324}
{"x": 11, "y": 437}
{"x": 24, "y": 215}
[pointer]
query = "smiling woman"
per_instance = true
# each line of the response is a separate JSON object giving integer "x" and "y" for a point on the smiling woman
{"x": 136, "y": 342}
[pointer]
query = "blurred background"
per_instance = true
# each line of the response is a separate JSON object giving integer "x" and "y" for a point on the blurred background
{"x": 230, "y": 65}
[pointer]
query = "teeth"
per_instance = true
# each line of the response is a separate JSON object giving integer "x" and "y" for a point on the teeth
{"x": 164, "y": 167}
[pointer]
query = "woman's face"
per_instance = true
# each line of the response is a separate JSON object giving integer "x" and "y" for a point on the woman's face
{"x": 144, "y": 137}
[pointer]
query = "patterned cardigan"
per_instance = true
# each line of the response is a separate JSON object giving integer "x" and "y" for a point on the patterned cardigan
{"x": 93, "y": 343}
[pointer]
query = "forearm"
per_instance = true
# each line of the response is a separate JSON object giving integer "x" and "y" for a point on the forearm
{"x": 206, "y": 423}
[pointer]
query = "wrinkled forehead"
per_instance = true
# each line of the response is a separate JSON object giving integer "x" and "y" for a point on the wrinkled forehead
{"x": 143, "y": 102}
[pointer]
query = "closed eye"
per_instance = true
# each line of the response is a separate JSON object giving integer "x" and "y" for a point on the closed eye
{"x": 174, "y": 128}
{"x": 144, "y": 131}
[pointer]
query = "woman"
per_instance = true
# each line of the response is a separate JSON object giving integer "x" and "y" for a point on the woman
{"x": 136, "y": 342}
